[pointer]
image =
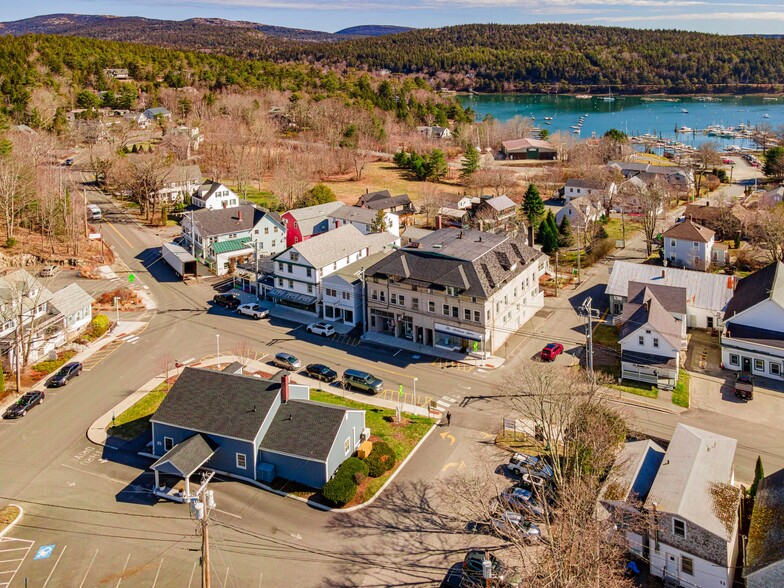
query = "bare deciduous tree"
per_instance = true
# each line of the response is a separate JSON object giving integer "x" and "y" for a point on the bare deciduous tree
{"x": 243, "y": 351}
{"x": 767, "y": 231}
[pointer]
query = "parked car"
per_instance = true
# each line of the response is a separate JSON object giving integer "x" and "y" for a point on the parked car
{"x": 324, "y": 329}
{"x": 354, "y": 379}
{"x": 49, "y": 271}
{"x": 521, "y": 463}
{"x": 521, "y": 499}
{"x": 228, "y": 300}
{"x": 64, "y": 374}
{"x": 744, "y": 386}
{"x": 472, "y": 565}
{"x": 321, "y": 372}
{"x": 25, "y": 403}
{"x": 513, "y": 525}
{"x": 69, "y": 162}
{"x": 551, "y": 351}
{"x": 253, "y": 310}
{"x": 286, "y": 361}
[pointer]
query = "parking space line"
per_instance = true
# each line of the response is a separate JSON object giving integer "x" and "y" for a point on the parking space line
{"x": 123, "y": 570}
{"x": 14, "y": 572}
{"x": 193, "y": 570}
{"x": 54, "y": 567}
{"x": 13, "y": 549}
{"x": 155, "y": 581}
{"x": 88, "y": 569}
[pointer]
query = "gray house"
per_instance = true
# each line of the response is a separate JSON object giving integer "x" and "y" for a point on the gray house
{"x": 250, "y": 428}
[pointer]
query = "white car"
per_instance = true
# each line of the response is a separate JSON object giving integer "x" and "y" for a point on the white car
{"x": 512, "y": 525}
{"x": 324, "y": 329}
{"x": 252, "y": 310}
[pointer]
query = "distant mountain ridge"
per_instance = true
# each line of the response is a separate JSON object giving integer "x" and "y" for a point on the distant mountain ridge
{"x": 372, "y": 31}
{"x": 215, "y": 33}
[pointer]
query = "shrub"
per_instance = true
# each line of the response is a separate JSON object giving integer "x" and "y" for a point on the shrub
{"x": 353, "y": 465}
{"x": 10, "y": 242}
{"x": 381, "y": 459}
{"x": 98, "y": 326}
{"x": 339, "y": 490}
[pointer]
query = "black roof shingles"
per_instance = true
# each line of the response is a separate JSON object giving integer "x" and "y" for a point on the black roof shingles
{"x": 187, "y": 456}
{"x": 207, "y": 401}
{"x": 304, "y": 428}
{"x": 753, "y": 289}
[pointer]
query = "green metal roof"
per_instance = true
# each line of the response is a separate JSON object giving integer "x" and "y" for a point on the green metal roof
{"x": 231, "y": 245}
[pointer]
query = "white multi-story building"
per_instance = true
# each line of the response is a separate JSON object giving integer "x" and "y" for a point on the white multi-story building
{"x": 214, "y": 195}
{"x": 459, "y": 290}
{"x": 300, "y": 270}
{"x": 688, "y": 245}
{"x": 224, "y": 237}
{"x": 595, "y": 190}
{"x": 344, "y": 297}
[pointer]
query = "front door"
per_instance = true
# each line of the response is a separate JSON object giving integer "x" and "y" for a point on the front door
{"x": 710, "y": 322}
{"x": 746, "y": 364}
{"x": 670, "y": 566}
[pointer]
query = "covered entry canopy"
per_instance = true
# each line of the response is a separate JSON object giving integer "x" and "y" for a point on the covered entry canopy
{"x": 183, "y": 460}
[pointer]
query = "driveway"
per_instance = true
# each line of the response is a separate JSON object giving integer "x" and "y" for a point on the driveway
{"x": 716, "y": 394}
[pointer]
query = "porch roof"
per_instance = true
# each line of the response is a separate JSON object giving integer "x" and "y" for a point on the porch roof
{"x": 231, "y": 245}
{"x": 649, "y": 360}
{"x": 186, "y": 457}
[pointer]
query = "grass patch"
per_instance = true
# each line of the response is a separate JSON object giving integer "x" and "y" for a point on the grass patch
{"x": 263, "y": 198}
{"x": 680, "y": 394}
{"x": 401, "y": 438}
{"x": 637, "y": 388}
{"x": 136, "y": 420}
{"x": 50, "y": 365}
{"x": 8, "y": 515}
{"x": 606, "y": 335}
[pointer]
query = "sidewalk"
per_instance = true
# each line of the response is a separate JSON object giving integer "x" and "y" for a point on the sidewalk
{"x": 121, "y": 329}
{"x": 97, "y": 432}
{"x": 396, "y": 343}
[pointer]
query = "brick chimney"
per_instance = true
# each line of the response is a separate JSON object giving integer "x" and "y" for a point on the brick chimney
{"x": 530, "y": 235}
{"x": 239, "y": 216}
{"x": 438, "y": 221}
{"x": 284, "y": 389}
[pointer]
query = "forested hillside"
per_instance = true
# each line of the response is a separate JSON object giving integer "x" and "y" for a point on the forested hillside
{"x": 562, "y": 57}
{"x": 44, "y": 72}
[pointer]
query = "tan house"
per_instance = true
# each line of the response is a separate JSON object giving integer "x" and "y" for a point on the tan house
{"x": 459, "y": 290}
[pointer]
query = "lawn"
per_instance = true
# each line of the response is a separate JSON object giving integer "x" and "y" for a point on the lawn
{"x": 614, "y": 228}
{"x": 637, "y": 388}
{"x": 136, "y": 420}
{"x": 380, "y": 421}
{"x": 606, "y": 335}
{"x": 680, "y": 394}
{"x": 7, "y": 515}
{"x": 263, "y": 198}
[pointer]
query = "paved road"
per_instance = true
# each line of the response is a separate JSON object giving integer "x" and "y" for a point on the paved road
{"x": 91, "y": 503}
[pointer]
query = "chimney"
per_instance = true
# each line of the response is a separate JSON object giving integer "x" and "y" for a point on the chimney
{"x": 664, "y": 274}
{"x": 239, "y": 216}
{"x": 530, "y": 235}
{"x": 284, "y": 389}
{"x": 438, "y": 222}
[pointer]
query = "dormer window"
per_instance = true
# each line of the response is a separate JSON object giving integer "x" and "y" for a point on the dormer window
{"x": 679, "y": 528}
{"x": 451, "y": 291}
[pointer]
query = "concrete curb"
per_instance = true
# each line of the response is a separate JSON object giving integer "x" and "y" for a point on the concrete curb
{"x": 647, "y": 405}
{"x": 12, "y": 524}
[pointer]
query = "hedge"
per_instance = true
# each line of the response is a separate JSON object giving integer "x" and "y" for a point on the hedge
{"x": 98, "y": 326}
{"x": 343, "y": 486}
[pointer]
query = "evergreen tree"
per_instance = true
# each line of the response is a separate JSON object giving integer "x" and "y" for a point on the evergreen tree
{"x": 318, "y": 194}
{"x": 616, "y": 136}
{"x": 533, "y": 205}
{"x": 436, "y": 166}
{"x": 548, "y": 237}
{"x": 759, "y": 474}
{"x": 774, "y": 162}
{"x": 565, "y": 238}
{"x": 470, "y": 161}
{"x": 379, "y": 224}
{"x": 550, "y": 218}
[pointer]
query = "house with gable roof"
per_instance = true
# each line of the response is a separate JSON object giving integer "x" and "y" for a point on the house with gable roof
{"x": 693, "y": 505}
{"x": 214, "y": 195}
{"x": 679, "y": 507}
{"x": 304, "y": 223}
{"x": 383, "y": 200}
{"x": 689, "y": 245}
{"x": 253, "y": 428}
{"x": 652, "y": 336}
{"x": 581, "y": 211}
{"x": 496, "y": 213}
{"x": 516, "y": 149}
{"x": 299, "y": 271}
{"x": 753, "y": 337}
{"x": 226, "y": 237}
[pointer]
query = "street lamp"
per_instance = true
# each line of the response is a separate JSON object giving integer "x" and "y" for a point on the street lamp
{"x": 217, "y": 342}
{"x": 117, "y": 310}
{"x": 415, "y": 398}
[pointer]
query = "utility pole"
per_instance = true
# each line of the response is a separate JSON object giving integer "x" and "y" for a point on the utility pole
{"x": 364, "y": 301}
{"x": 590, "y": 314}
{"x": 201, "y": 506}
{"x": 193, "y": 245}
{"x": 556, "y": 274}
{"x": 579, "y": 251}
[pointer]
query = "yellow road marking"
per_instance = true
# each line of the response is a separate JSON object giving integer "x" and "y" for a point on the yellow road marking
{"x": 447, "y": 435}
{"x": 119, "y": 234}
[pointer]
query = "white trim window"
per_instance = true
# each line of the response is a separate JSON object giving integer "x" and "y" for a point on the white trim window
{"x": 734, "y": 359}
{"x": 168, "y": 443}
{"x": 775, "y": 368}
{"x": 242, "y": 461}
{"x": 347, "y": 445}
{"x": 759, "y": 365}
{"x": 687, "y": 565}
{"x": 679, "y": 528}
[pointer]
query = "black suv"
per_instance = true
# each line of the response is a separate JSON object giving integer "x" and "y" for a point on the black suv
{"x": 25, "y": 403}
{"x": 65, "y": 373}
{"x": 229, "y": 300}
{"x": 321, "y": 372}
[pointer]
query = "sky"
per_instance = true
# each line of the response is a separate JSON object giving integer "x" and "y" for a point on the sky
{"x": 715, "y": 16}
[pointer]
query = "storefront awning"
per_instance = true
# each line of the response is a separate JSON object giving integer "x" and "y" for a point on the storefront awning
{"x": 294, "y": 297}
{"x": 458, "y": 332}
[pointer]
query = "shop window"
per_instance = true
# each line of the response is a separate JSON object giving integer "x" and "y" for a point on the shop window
{"x": 759, "y": 365}
{"x": 775, "y": 369}
{"x": 734, "y": 359}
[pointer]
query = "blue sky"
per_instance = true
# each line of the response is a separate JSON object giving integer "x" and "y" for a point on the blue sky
{"x": 718, "y": 16}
